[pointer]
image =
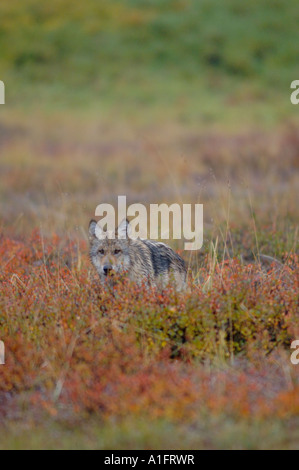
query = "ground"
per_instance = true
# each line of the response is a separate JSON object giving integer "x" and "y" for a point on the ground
{"x": 165, "y": 103}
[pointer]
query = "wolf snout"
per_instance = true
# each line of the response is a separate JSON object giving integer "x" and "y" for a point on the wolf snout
{"x": 107, "y": 268}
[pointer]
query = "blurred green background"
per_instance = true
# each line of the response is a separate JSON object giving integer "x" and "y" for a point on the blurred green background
{"x": 225, "y": 62}
{"x": 164, "y": 101}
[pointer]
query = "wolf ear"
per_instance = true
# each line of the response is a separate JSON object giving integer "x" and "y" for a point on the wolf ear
{"x": 95, "y": 231}
{"x": 124, "y": 229}
{"x": 92, "y": 230}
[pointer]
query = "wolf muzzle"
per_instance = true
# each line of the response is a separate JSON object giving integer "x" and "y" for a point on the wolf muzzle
{"x": 107, "y": 268}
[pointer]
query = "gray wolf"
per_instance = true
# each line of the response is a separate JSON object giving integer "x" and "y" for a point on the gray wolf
{"x": 145, "y": 262}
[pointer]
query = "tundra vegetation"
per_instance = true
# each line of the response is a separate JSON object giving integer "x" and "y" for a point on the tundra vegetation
{"x": 163, "y": 101}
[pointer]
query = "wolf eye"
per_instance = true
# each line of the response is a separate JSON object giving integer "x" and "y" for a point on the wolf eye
{"x": 101, "y": 252}
{"x": 116, "y": 252}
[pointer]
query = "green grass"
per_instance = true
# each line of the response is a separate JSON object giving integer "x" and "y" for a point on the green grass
{"x": 208, "y": 61}
{"x": 135, "y": 434}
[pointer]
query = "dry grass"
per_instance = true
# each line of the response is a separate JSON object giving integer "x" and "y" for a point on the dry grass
{"x": 182, "y": 364}
{"x": 55, "y": 173}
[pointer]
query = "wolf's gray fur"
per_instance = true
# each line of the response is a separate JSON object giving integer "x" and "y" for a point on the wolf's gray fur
{"x": 145, "y": 261}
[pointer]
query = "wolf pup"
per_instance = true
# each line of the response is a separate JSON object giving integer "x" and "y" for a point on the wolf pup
{"x": 145, "y": 262}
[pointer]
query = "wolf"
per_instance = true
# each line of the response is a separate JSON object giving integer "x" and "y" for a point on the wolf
{"x": 147, "y": 262}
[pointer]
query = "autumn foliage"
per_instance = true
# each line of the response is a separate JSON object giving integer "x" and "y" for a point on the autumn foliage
{"x": 75, "y": 350}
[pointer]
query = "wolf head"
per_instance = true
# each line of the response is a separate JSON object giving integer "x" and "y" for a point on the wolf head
{"x": 109, "y": 253}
